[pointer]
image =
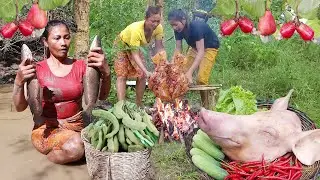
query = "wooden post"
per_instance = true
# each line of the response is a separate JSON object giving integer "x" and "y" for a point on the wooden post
{"x": 211, "y": 91}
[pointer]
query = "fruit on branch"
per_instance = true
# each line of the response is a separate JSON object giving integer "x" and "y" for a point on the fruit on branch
{"x": 227, "y": 27}
{"x": 267, "y": 24}
{"x": 287, "y": 29}
{"x": 25, "y": 28}
{"x": 305, "y": 32}
{"x": 9, "y": 29}
{"x": 245, "y": 24}
{"x": 37, "y": 17}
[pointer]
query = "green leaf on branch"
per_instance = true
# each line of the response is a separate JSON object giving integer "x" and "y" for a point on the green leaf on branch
{"x": 60, "y": 2}
{"x": 308, "y": 9}
{"x": 253, "y": 8}
{"x": 315, "y": 25}
{"x": 8, "y": 9}
{"x": 288, "y": 16}
{"x": 294, "y": 3}
{"x": 47, "y": 5}
{"x": 225, "y": 8}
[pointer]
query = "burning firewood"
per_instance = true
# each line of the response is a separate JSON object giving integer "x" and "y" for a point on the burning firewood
{"x": 175, "y": 119}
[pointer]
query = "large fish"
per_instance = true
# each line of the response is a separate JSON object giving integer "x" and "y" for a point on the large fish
{"x": 91, "y": 82}
{"x": 33, "y": 88}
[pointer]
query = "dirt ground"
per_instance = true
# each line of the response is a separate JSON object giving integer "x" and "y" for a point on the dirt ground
{"x": 19, "y": 160}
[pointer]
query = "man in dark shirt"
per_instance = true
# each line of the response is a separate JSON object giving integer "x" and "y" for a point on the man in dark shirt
{"x": 196, "y": 31}
{"x": 204, "y": 43}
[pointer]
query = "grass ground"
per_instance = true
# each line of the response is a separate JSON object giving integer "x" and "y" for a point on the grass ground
{"x": 171, "y": 162}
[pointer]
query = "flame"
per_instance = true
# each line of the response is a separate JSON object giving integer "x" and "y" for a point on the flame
{"x": 175, "y": 118}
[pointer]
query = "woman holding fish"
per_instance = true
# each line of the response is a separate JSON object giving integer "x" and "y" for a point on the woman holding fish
{"x": 129, "y": 62}
{"x": 58, "y": 119}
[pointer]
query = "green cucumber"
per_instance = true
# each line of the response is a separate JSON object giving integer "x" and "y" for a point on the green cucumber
{"x": 198, "y": 151}
{"x": 208, "y": 167}
{"x": 208, "y": 147}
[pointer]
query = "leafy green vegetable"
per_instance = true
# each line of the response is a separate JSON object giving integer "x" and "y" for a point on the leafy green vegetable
{"x": 237, "y": 100}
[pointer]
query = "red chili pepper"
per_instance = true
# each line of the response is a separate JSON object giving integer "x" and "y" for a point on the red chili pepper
{"x": 288, "y": 155}
{"x": 298, "y": 163}
{"x": 296, "y": 176}
{"x": 263, "y": 164}
{"x": 233, "y": 163}
{"x": 242, "y": 173}
{"x": 282, "y": 158}
{"x": 285, "y": 157}
{"x": 226, "y": 167}
{"x": 247, "y": 170}
{"x": 270, "y": 173}
{"x": 278, "y": 170}
{"x": 266, "y": 172}
{"x": 252, "y": 163}
{"x": 290, "y": 174}
{"x": 255, "y": 174}
{"x": 274, "y": 178}
{"x": 288, "y": 168}
{"x": 230, "y": 176}
{"x": 280, "y": 163}
{"x": 284, "y": 176}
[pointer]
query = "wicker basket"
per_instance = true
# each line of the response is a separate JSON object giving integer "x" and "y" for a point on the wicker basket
{"x": 308, "y": 171}
{"x": 117, "y": 166}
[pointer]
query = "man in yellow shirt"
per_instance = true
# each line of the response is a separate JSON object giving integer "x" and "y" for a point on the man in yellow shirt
{"x": 129, "y": 62}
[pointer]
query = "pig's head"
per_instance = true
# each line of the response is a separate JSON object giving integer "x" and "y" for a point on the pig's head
{"x": 271, "y": 134}
{"x": 222, "y": 128}
{"x": 248, "y": 137}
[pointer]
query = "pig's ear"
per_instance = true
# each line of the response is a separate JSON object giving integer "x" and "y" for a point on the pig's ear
{"x": 307, "y": 147}
{"x": 282, "y": 103}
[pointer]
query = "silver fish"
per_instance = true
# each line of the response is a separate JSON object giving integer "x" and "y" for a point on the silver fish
{"x": 33, "y": 88}
{"x": 26, "y": 54}
{"x": 95, "y": 43}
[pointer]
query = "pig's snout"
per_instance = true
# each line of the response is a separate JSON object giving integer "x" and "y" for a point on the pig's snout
{"x": 202, "y": 121}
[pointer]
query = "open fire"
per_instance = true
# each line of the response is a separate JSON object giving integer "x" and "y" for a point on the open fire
{"x": 175, "y": 119}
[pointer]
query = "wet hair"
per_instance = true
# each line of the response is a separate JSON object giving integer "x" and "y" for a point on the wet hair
{"x": 178, "y": 15}
{"x": 152, "y": 10}
{"x": 52, "y": 24}
{"x": 47, "y": 29}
